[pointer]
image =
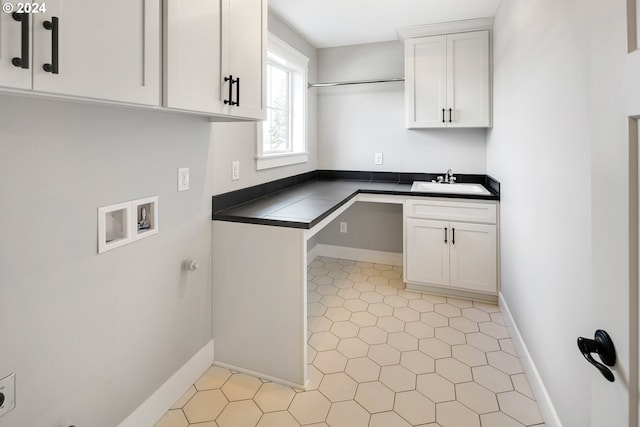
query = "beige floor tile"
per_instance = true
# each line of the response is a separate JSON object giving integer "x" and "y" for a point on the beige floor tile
{"x": 450, "y": 335}
{"x": 454, "y": 414}
{"x": 486, "y": 307}
{"x": 476, "y": 315}
{"x": 372, "y": 297}
{"x": 476, "y": 398}
{"x": 396, "y": 301}
{"x": 373, "y": 335}
{"x": 277, "y": 419}
{"x": 380, "y": 309}
{"x": 313, "y": 296}
{"x": 329, "y": 362}
{"x": 421, "y": 305}
{"x": 447, "y": 310}
{"x": 398, "y": 378}
{"x": 314, "y": 377}
{"x": 507, "y": 346}
{"x": 408, "y": 294}
{"x": 353, "y": 347}
{"x": 337, "y": 314}
{"x": 435, "y": 299}
{"x": 453, "y": 370}
{"x": 460, "y": 303}
{"x": 417, "y": 362}
{"x": 498, "y": 419}
{"x": 315, "y": 309}
{"x": 344, "y": 329}
{"x": 363, "y": 369}
{"x": 311, "y": 354}
{"x": 244, "y": 413}
{"x": 361, "y": 283}
{"x": 318, "y": 324}
{"x": 464, "y": 325}
{"x": 483, "y": 342}
{"x": 338, "y": 274}
{"x": 379, "y": 280}
{"x": 419, "y": 330}
{"x": 433, "y": 319}
{"x": 346, "y": 289}
{"x": 390, "y": 324}
{"x": 504, "y": 362}
{"x": 173, "y": 418}
{"x": 347, "y": 414}
{"x": 469, "y": 355}
{"x": 241, "y": 387}
{"x": 375, "y": 397}
{"x": 355, "y": 305}
{"x": 388, "y": 419}
{"x": 185, "y": 398}
{"x": 494, "y": 330}
{"x": 521, "y": 385}
{"x": 213, "y": 378}
{"x": 384, "y": 354}
{"x": 406, "y": 314}
{"x": 310, "y": 407}
{"x": 338, "y": 387}
{"x": 492, "y": 379}
{"x": 205, "y": 406}
{"x": 520, "y": 407}
{"x": 363, "y": 319}
{"x": 435, "y": 348}
{"x": 391, "y": 274}
{"x": 403, "y": 341}
{"x": 415, "y": 407}
{"x": 330, "y": 301}
{"x": 322, "y": 341}
{"x": 435, "y": 387}
{"x": 274, "y": 397}
{"x": 498, "y": 318}
{"x": 322, "y": 280}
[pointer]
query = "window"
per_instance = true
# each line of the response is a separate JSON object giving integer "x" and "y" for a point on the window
{"x": 282, "y": 138}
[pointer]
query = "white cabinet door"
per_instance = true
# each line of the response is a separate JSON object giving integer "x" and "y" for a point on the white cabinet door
{"x": 11, "y": 43}
{"x": 106, "y": 50}
{"x": 192, "y": 55}
{"x": 472, "y": 255}
{"x": 427, "y": 255}
{"x": 468, "y": 89}
{"x": 244, "y": 41}
{"x": 447, "y": 81}
{"x": 425, "y": 83}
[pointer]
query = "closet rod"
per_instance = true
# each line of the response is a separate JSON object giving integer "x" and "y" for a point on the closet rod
{"x": 355, "y": 82}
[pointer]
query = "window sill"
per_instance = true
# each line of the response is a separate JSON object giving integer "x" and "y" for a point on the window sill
{"x": 279, "y": 160}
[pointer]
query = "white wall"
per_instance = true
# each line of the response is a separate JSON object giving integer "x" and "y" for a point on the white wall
{"x": 540, "y": 152}
{"x": 90, "y": 336}
{"x": 237, "y": 141}
{"x": 354, "y": 122}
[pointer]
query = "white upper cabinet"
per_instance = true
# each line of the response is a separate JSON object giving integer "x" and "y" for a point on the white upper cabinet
{"x": 244, "y": 57}
{"x": 15, "y": 69}
{"x": 448, "y": 81}
{"x": 192, "y": 55}
{"x": 100, "y": 50}
{"x": 215, "y": 57}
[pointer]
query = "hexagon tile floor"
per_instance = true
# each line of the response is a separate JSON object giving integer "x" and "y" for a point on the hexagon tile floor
{"x": 379, "y": 356}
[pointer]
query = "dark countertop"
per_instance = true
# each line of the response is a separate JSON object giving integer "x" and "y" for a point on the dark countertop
{"x": 305, "y": 200}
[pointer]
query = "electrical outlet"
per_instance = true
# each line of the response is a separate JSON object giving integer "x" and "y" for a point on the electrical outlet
{"x": 377, "y": 159}
{"x": 235, "y": 170}
{"x": 7, "y": 394}
{"x": 183, "y": 179}
{"x": 343, "y": 227}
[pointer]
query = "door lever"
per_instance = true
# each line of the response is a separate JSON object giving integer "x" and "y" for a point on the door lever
{"x": 602, "y": 345}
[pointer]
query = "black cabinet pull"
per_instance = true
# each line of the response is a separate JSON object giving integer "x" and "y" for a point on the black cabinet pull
{"x": 23, "y": 61}
{"x": 443, "y": 115}
{"x": 230, "y": 80}
{"x": 453, "y": 236}
{"x": 603, "y": 345}
{"x": 445, "y": 234}
{"x": 237, "y": 103}
{"x": 449, "y": 115}
{"x": 53, "y": 27}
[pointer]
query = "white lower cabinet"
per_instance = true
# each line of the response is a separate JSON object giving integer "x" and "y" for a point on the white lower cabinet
{"x": 452, "y": 254}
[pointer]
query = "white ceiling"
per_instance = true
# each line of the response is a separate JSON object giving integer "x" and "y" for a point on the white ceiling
{"x": 331, "y": 23}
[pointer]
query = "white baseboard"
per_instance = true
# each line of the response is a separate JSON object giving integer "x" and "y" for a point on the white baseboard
{"x": 152, "y": 409}
{"x": 547, "y": 409}
{"x": 355, "y": 254}
{"x": 259, "y": 375}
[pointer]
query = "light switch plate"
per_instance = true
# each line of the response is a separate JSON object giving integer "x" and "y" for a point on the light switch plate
{"x": 377, "y": 159}
{"x": 183, "y": 179}
{"x": 8, "y": 392}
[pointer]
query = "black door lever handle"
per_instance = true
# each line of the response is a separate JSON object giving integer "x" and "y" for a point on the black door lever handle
{"x": 603, "y": 346}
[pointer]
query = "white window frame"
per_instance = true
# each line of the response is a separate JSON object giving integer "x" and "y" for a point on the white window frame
{"x": 298, "y": 65}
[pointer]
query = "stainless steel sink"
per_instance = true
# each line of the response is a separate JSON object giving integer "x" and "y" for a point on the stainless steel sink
{"x": 433, "y": 187}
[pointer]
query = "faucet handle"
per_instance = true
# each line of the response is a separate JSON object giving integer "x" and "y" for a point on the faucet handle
{"x": 452, "y": 179}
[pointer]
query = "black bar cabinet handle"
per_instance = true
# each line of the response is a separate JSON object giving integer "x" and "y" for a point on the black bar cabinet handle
{"x": 53, "y": 27}
{"x": 443, "y": 115}
{"x": 445, "y": 234}
{"x": 453, "y": 236}
{"x": 449, "y": 115}
{"x": 23, "y": 61}
{"x": 237, "y": 103}
{"x": 230, "y": 80}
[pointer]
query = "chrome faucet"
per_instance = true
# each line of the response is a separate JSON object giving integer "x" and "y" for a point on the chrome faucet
{"x": 449, "y": 178}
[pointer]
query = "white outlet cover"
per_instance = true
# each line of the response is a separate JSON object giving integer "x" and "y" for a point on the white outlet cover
{"x": 235, "y": 170}
{"x": 377, "y": 158}
{"x": 183, "y": 179}
{"x": 8, "y": 389}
